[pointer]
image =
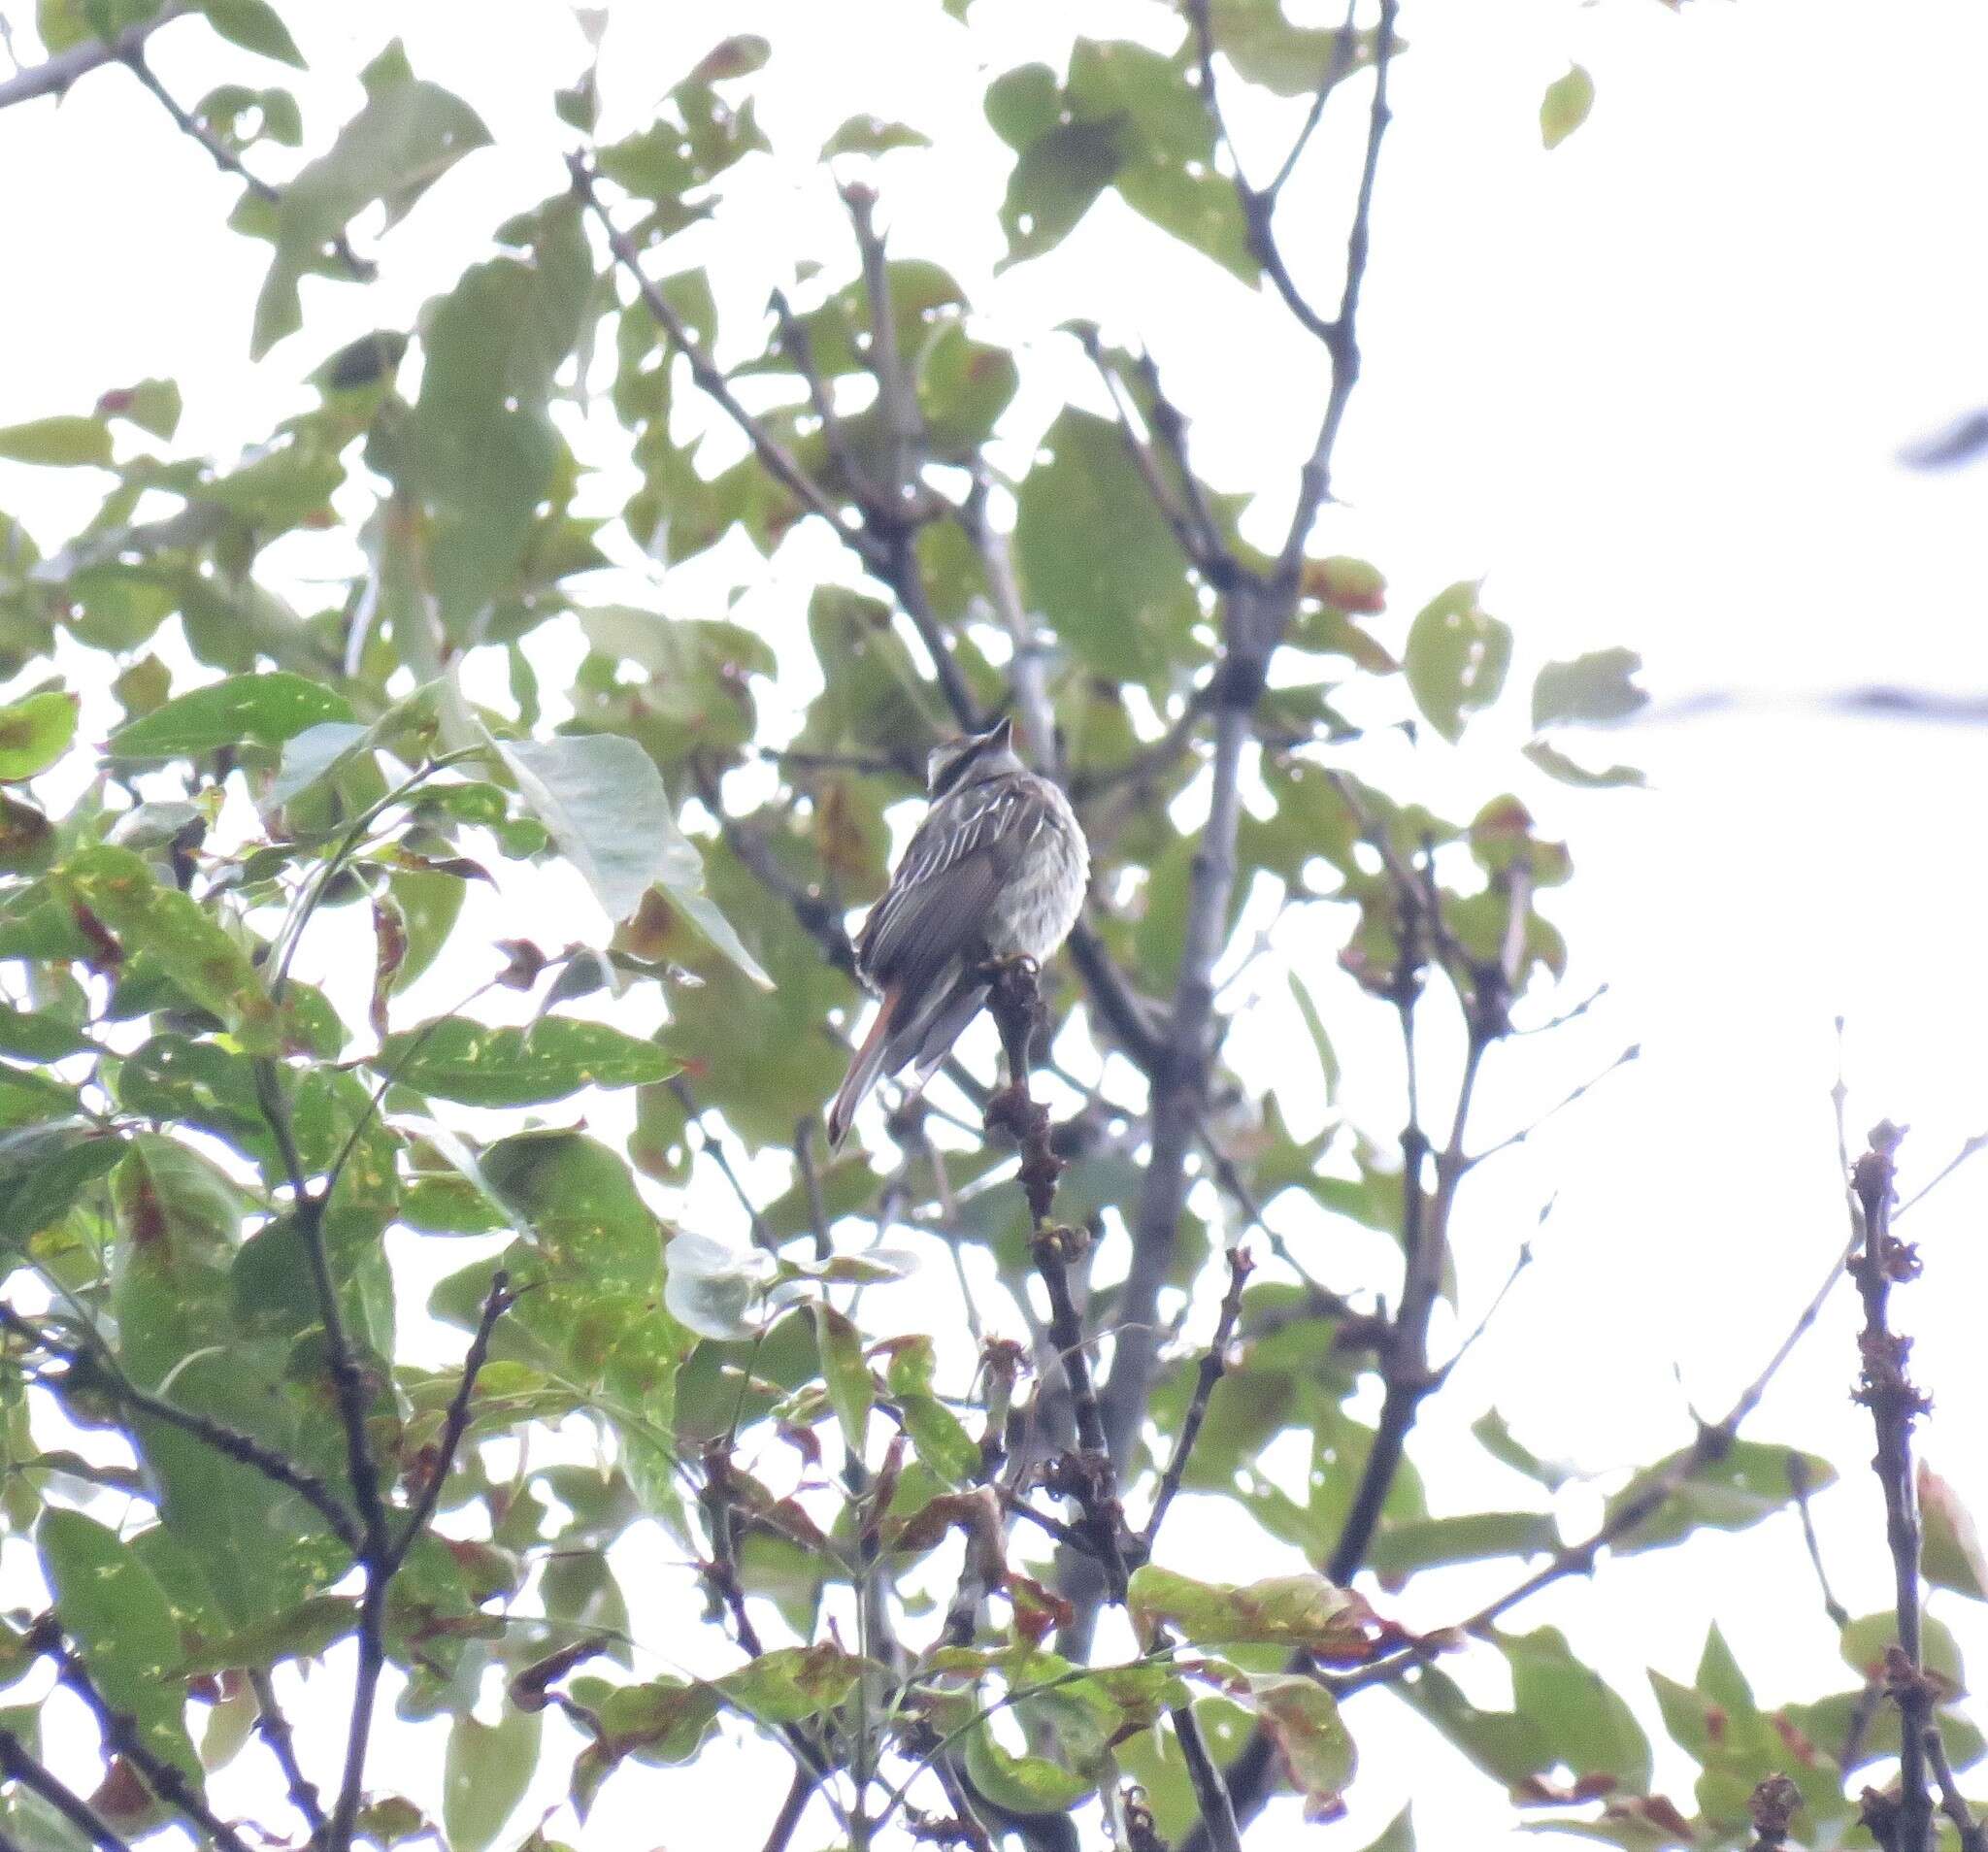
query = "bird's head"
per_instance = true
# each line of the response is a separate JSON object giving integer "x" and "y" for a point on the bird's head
{"x": 966, "y": 761}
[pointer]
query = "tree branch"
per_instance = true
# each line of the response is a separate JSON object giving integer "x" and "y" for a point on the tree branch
{"x": 17, "y": 1765}
{"x": 99, "y": 1367}
{"x": 1255, "y": 618}
{"x": 123, "y": 1737}
{"x": 53, "y": 76}
{"x": 1885, "y": 1389}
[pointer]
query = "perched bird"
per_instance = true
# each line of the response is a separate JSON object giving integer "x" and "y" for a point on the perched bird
{"x": 995, "y": 871}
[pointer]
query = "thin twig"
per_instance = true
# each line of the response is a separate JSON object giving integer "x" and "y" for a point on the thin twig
{"x": 1974, "y": 1836}
{"x": 360, "y": 269}
{"x": 774, "y": 456}
{"x": 1973, "y": 1148}
{"x": 1798, "y": 1481}
{"x": 1631, "y": 1053}
{"x": 801, "y": 351}
{"x": 1214, "y": 1361}
{"x": 123, "y": 1737}
{"x": 1210, "y": 1790}
{"x": 1195, "y": 546}
{"x": 455, "y": 1424}
{"x": 1637, "y": 1505}
{"x": 17, "y": 1765}
{"x": 274, "y": 1728}
{"x": 1087, "y": 1477}
{"x": 93, "y": 1361}
{"x": 713, "y": 1146}
{"x": 348, "y": 1381}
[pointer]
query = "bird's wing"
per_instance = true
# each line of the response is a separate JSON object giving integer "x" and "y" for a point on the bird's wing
{"x": 953, "y": 869}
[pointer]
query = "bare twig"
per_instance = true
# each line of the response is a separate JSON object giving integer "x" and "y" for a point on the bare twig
{"x": 1629, "y": 1054}
{"x": 1345, "y": 45}
{"x": 1212, "y": 1363}
{"x": 711, "y": 1146}
{"x": 455, "y": 1424}
{"x": 274, "y": 1728}
{"x": 1086, "y": 1476}
{"x": 1637, "y": 1505}
{"x": 1797, "y": 1479}
{"x": 53, "y": 76}
{"x": 375, "y": 1556}
{"x": 1210, "y": 1790}
{"x": 1895, "y": 1404}
{"x": 1971, "y": 1148}
{"x": 1974, "y": 1836}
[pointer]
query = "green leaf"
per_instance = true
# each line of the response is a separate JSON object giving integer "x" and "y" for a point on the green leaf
{"x": 34, "y": 734}
{"x": 1397, "y": 1836}
{"x": 1749, "y": 1483}
{"x": 406, "y": 136}
{"x": 187, "y": 943}
{"x": 1590, "y": 689}
{"x": 485, "y": 1774}
{"x": 480, "y": 449}
{"x": 850, "y": 1391}
{"x": 1021, "y": 1784}
{"x": 1057, "y": 179}
{"x": 1566, "y": 105}
{"x": 791, "y": 1684}
{"x": 266, "y": 709}
{"x": 302, "y": 1632}
{"x": 1557, "y": 765}
{"x": 61, "y": 443}
{"x": 1952, "y": 1555}
{"x": 1314, "y": 1745}
{"x": 870, "y": 135}
{"x": 45, "y": 1169}
{"x": 1456, "y": 658}
{"x": 1287, "y": 1611}
{"x": 1867, "y": 1639}
{"x": 602, "y": 798}
{"x": 1098, "y": 559}
{"x": 255, "y": 26}
{"x": 1292, "y": 60}
{"x": 120, "y": 1619}
{"x": 1401, "y": 1548}
{"x": 460, "y": 1060}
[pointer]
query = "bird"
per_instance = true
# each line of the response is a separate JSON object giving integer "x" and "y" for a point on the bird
{"x": 996, "y": 872}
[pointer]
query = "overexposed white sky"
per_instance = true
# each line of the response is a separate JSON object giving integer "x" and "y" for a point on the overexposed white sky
{"x": 1651, "y": 385}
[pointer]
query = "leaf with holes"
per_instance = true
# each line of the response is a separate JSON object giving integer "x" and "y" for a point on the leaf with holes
{"x": 1456, "y": 658}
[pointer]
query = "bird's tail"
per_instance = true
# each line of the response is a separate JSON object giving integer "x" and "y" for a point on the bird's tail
{"x": 864, "y": 1067}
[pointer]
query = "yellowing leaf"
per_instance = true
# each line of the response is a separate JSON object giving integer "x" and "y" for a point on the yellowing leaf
{"x": 1566, "y": 105}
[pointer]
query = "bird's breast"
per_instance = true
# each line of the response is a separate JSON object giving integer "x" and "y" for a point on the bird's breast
{"x": 1039, "y": 903}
